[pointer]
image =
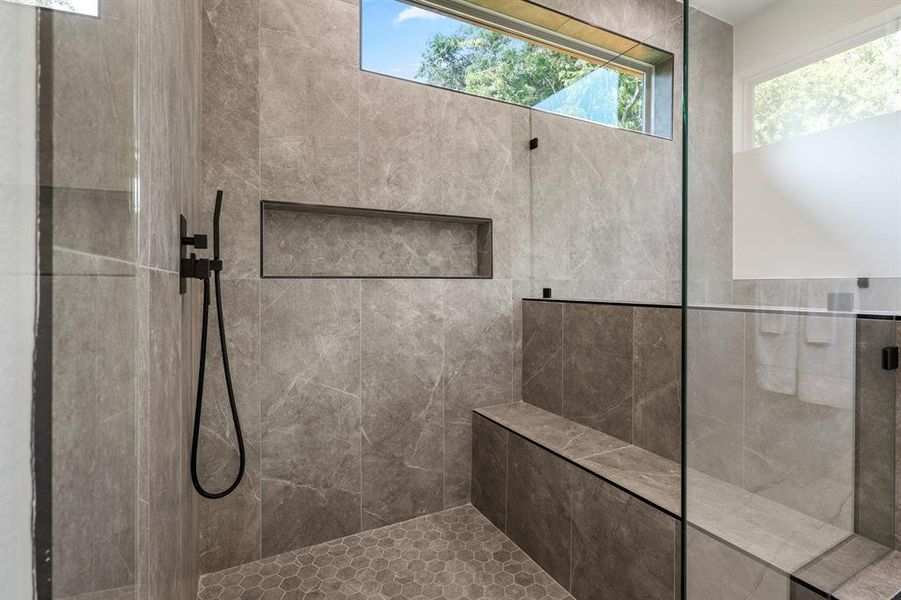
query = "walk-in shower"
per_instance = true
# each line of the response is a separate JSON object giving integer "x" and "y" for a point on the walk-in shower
{"x": 489, "y": 299}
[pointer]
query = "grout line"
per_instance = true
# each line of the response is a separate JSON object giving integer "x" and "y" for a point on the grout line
{"x": 632, "y": 394}
{"x": 562, "y": 358}
{"x": 506, "y": 477}
{"x": 259, "y": 186}
{"x": 360, "y": 388}
{"x": 444, "y": 395}
{"x": 259, "y": 403}
{"x": 572, "y": 560}
{"x": 744, "y": 360}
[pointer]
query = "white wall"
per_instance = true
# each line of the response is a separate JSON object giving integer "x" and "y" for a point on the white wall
{"x": 17, "y": 293}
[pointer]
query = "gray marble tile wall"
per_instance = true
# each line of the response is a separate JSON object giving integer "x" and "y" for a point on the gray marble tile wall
{"x": 614, "y": 368}
{"x": 709, "y": 160}
{"x": 716, "y": 571}
{"x": 94, "y": 442}
{"x": 288, "y": 115}
{"x": 606, "y": 203}
{"x": 358, "y": 392}
{"x": 898, "y": 446}
{"x": 796, "y": 409}
{"x": 169, "y": 168}
{"x": 124, "y": 516}
{"x": 874, "y": 433}
{"x": 93, "y": 288}
{"x": 593, "y": 538}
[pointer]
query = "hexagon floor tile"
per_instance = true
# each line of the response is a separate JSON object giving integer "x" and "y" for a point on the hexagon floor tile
{"x": 455, "y": 554}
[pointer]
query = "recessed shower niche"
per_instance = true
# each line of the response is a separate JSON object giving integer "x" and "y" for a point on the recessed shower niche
{"x": 312, "y": 240}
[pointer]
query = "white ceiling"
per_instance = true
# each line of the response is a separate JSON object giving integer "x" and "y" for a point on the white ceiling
{"x": 732, "y": 11}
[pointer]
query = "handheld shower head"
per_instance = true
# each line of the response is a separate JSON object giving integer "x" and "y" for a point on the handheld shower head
{"x": 215, "y": 266}
{"x": 216, "y": 213}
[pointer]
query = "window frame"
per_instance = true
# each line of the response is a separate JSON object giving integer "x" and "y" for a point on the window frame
{"x": 62, "y": 9}
{"x": 862, "y": 34}
{"x": 556, "y": 42}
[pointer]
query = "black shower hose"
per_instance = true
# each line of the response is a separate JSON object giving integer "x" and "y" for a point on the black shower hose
{"x": 215, "y": 268}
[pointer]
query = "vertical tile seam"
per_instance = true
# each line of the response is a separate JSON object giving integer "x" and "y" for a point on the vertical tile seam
{"x": 632, "y": 310}
{"x": 181, "y": 568}
{"x": 744, "y": 373}
{"x": 506, "y": 478}
{"x": 443, "y": 392}
{"x": 259, "y": 406}
{"x": 259, "y": 52}
{"x": 562, "y": 355}
{"x": 359, "y": 186}
{"x": 360, "y": 389}
{"x": 677, "y": 562}
{"x": 572, "y": 558}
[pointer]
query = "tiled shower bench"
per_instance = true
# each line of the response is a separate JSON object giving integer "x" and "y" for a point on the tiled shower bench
{"x": 601, "y": 516}
{"x": 598, "y": 514}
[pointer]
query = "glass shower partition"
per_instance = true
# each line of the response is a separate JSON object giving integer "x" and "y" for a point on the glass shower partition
{"x": 70, "y": 289}
{"x": 792, "y": 272}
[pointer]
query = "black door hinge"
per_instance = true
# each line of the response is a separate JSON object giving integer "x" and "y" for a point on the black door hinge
{"x": 890, "y": 358}
{"x": 533, "y": 143}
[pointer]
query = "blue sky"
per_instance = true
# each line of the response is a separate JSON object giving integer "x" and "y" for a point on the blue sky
{"x": 395, "y": 35}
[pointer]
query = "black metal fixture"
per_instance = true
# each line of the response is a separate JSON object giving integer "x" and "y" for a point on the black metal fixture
{"x": 533, "y": 143}
{"x": 546, "y": 292}
{"x": 200, "y": 268}
{"x": 191, "y": 267}
{"x": 890, "y": 358}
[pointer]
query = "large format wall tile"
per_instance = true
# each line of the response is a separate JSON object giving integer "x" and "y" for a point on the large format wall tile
{"x": 326, "y": 29}
{"x": 621, "y": 546}
{"x": 166, "y": 152}
{"x": 715, "y": 388}
{"x": 437, "y": 151}
{"x": 230, "y": 527}
{"x": 715, "y": 571}
{"x": 596, "y": 221}
{"x": 542, "y": 355}
{"x": 897, "y": 445}
{"x": 490, "y": 444}
{"x": 597, "y": 367}
{"x": 709, "y": 160}
{"x": 94, "y": 442}
{"x": 403, "y": 399}
{"x": 309, "y": 122}
{"x": 397, "y": 149}
{"x": 612, "y": 367}
{"x": 310, "y": 412}
{"x": 230, "y": 127}
{"x": 874, "y": 433}
{"x": 160, "y": 397}
{"x": 799, "y": 413}
{"x": 95, "y": 222}
{"x": 657, "y": 358}
{"x": 539, "y": 506}
{"x": 93, "y": 63}
{"x": 606, "y": 202}
{"x": 478, "y": 367}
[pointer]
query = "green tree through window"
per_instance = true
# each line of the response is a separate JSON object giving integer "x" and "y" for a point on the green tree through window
{"x": 844, "y": 88}
{"x": 487, "y": 63}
